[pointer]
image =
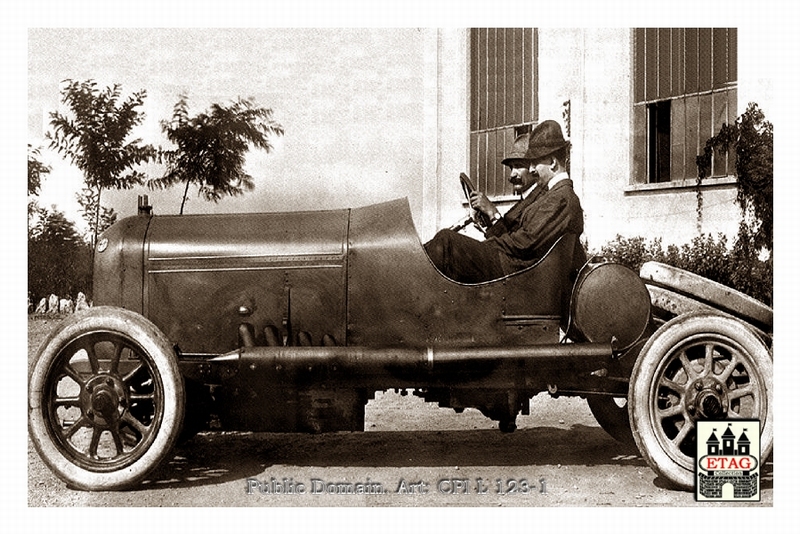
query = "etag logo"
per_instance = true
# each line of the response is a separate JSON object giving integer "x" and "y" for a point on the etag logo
{"x": 728, "y": 463}
{"x": 728, "y": 468}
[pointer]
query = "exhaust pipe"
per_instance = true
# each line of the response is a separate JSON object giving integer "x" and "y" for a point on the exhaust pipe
{"x": 360, "y": 364}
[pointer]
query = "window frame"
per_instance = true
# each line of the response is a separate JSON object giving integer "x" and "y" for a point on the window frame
{"x": 503, "y": 83}
{"x": 694, "y": 72}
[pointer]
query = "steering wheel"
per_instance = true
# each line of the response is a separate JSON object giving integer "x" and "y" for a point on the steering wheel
{"x": 480, "y": 220}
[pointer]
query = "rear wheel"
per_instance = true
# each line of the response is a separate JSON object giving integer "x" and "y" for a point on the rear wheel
{"x": 612, "y": 415}
{"x": 697, "y": 366}
{"x": 106, "y": 399}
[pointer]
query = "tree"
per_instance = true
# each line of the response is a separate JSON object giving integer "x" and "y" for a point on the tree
{"x": 96, "y": 140}
{"x": 36, "y": 172}
{"x": 751, "y": 140}
{"x": 211, "y": 147}
{"x": 59, "y": 260}
{"x": 89, "y": 201}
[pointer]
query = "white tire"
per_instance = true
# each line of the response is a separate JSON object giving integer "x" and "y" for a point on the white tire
{"x": 106, "y": 399}
{"x": 697, "y": 366}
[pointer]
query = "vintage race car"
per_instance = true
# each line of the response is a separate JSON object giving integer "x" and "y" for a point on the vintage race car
{"x": 290, "y": 322}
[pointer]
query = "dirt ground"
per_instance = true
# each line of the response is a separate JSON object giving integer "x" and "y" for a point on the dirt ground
{"x": 414, "y": 454}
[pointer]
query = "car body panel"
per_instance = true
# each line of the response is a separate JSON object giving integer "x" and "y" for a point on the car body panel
{"x": 119, "y": 266}
{"x": 201, "y": 270}
{"x": 418, "y": 306}
{"x": 314, "y": 311}
{"x": 359, "y": 276}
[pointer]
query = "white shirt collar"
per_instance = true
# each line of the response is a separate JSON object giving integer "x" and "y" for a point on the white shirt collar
{"x": 553, "y": 181}
{"x": 560, "y": 177}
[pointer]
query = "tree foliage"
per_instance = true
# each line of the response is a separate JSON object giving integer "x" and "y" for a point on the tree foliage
{"x": 751, "y": 140}
{"x": 36, "y": 171}
{"x": 59, "y": 260}
{"x": 741, "y": 267}
{"x": 97, "y": 217}
{"x": 211, "y": 147}
{"x": 95, "y": 134}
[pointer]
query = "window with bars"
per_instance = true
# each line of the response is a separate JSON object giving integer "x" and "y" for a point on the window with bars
{"x": 684, "y": 91}
{"x": 503, "y": 81}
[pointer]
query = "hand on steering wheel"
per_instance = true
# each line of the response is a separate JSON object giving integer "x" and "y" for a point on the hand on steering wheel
{"x": 481, "y": 203}
{"x": 476, "y": 201}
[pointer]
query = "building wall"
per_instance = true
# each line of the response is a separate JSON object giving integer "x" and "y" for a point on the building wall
{"x": 375, "y": 114}
{"x": 591, "y": 69}
{"x": 596, "y": 79}
{"x": 446, "y": 126}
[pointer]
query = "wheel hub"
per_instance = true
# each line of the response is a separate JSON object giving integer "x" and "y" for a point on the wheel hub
{"x": 104, "y": 400}
{"x": 707, "y": 399}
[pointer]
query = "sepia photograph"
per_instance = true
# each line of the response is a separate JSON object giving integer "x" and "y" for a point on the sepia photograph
{"x": 443, "y": 266}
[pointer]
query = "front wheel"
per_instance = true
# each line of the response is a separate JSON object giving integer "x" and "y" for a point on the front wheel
{"x": 106, "y": 399}
{"x": 697, "y": 366}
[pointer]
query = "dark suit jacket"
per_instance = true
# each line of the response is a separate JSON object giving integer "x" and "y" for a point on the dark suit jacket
{"x": 534, "y": 224}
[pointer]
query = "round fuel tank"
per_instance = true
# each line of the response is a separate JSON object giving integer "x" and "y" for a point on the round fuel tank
{"x": 609, "y": 302}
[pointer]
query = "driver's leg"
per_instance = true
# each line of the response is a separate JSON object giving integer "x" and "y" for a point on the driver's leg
{"x": 462, "y": 258}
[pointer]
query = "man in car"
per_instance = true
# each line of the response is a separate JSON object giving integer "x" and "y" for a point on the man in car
{"x": 548, "y": 210}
